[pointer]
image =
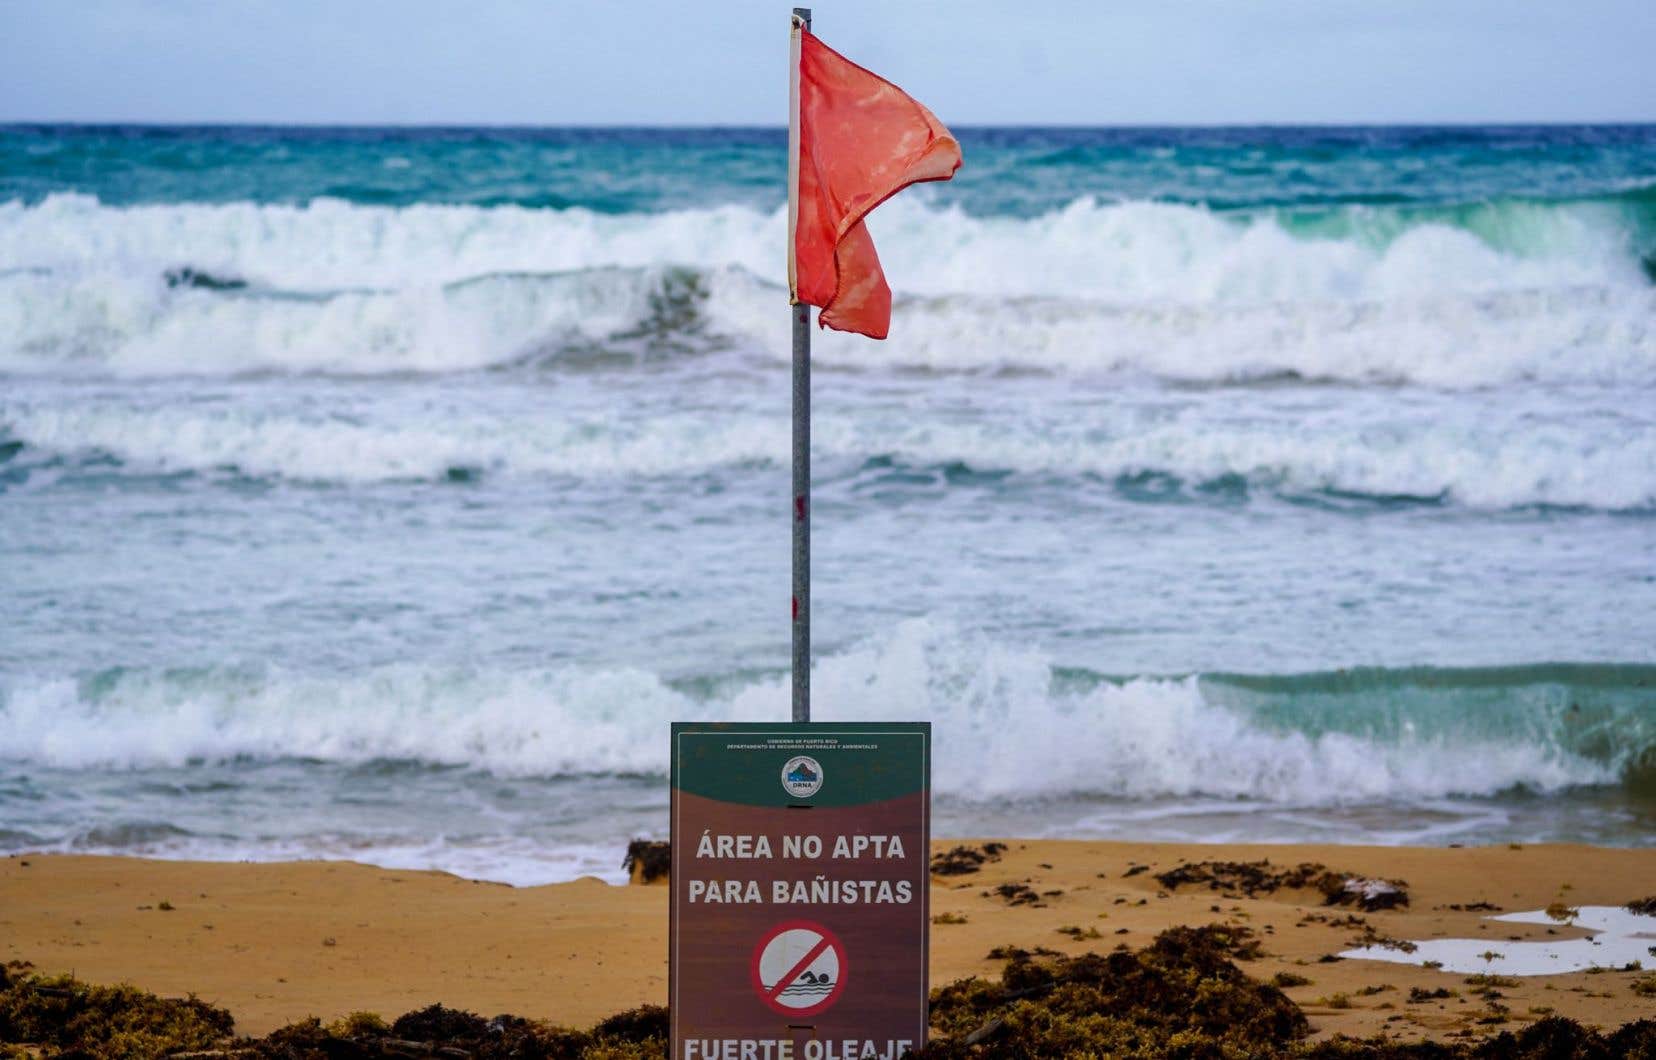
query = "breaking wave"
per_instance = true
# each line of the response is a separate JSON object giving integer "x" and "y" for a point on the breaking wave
{"x": 1464, "y": 296}
{"x": 1498, "y": 454}
{"x": 1315, "y": 740}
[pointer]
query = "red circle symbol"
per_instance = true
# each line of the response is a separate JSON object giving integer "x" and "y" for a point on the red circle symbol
{"x": 798, "y": 968}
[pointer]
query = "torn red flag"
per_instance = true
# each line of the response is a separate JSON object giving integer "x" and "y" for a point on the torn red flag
{"x": 861, "y": 140}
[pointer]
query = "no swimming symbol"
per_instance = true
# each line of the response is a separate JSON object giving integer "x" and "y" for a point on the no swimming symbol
{"x": 798, "y": 968}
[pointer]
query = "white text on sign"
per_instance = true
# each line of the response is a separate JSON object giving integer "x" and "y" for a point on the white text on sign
{"x": 818, "y": 891}
{"x": 750, "y": 847}
{"x": 783, "y": 1049}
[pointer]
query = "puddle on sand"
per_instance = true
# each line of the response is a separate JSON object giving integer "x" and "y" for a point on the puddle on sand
{"x": 1620, "y": 938}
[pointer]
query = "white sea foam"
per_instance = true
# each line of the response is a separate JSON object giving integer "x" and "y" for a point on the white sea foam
{"x": 996, "y": 708}
{"x": 520, "y": 861}
{"x": 1144, "y": 287}
{"x": 133, "y": 324}
{"x": 1448, "y": 339}
{"x": 1597, "y": 464}
{"x": 1128, "y": 251}
{"x": 1485, "y": 455}
{"x": 331, "y": 246}
{"x": 339, "y": 448}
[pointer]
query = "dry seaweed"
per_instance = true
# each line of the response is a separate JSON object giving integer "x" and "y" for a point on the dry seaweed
{"x": 1254, "y": 878}
{"x": 1643, "y": 906}
{"x": 1017, "y": 894}
{"x": 440, "y": 1031}
{"x": 965, "y": 859}
{"x": 59, "y": 1017}
{"x": 1371, "y": 937}
{"x": 1075, "y": 931}
{"x": 60, "y": 1014}
{"x": 432, "y": 1031}
{"x": 1010, "y": 953}
{"x": 1182, "y": 997}
{"x": 1179, "y": 996}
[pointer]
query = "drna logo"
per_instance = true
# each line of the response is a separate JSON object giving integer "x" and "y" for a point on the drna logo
{"x": 802, "y": 776}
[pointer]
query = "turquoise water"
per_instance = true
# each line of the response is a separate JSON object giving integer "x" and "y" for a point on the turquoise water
{"x": 1021, "y": 172}
{"x": 385, "y": 493}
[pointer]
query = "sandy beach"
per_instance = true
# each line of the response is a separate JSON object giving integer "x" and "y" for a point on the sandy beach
{"x": 274, "y": 943}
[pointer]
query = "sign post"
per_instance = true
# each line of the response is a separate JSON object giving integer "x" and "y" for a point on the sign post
{"x": 800, "y": 866}
{"x": 801, "y": 314}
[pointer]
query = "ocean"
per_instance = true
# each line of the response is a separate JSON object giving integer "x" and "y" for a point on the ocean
{"x": 384, "y": 493}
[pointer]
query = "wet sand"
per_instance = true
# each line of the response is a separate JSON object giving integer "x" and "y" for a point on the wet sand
{"x": 275, "y": 943}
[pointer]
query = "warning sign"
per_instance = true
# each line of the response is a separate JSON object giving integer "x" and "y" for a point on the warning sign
{"x": 799, "y": 879}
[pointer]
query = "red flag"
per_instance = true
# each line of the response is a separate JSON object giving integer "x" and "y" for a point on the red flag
{"x": 861, "y": 141}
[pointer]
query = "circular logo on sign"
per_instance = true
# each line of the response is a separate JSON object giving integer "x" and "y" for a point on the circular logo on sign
{"x": 798, "y": 968}
{"x": 802, "y": 776}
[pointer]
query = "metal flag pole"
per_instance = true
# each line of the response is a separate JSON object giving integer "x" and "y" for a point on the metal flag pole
{"x": 801, "y": 403}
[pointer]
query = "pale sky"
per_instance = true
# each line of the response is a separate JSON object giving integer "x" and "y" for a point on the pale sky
{"x": 648, "y": 62}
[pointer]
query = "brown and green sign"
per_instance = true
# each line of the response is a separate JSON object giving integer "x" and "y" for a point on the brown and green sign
{"x": 799, "y": 905}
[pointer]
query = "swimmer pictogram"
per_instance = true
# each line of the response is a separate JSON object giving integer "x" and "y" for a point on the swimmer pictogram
{"x": 799, "y": 968}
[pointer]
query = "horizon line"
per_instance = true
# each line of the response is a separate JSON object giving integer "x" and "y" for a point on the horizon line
{"x": 10, "y": 123}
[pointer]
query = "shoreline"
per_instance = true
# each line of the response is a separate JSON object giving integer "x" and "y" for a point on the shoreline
{"x": 279, "y": 942}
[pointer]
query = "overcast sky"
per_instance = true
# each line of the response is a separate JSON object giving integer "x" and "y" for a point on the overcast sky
{"x": 543, "y": 62}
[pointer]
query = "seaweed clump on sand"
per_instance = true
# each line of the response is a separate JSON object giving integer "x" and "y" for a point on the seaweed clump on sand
{"x": 1643, "y": 906}
{"x": 1183, "y": 997}
{"x": 438, "y": 1031}
{"x": 637, "y": 1034}
{"x": 965, "y": 859}
{"x": 648, "y": 860}
{"x": 1253, "y": 878}
{"x": 60, "y": 1016}
{"x": 1552, "y": 1038}
{"x": 1179, "y": 996}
